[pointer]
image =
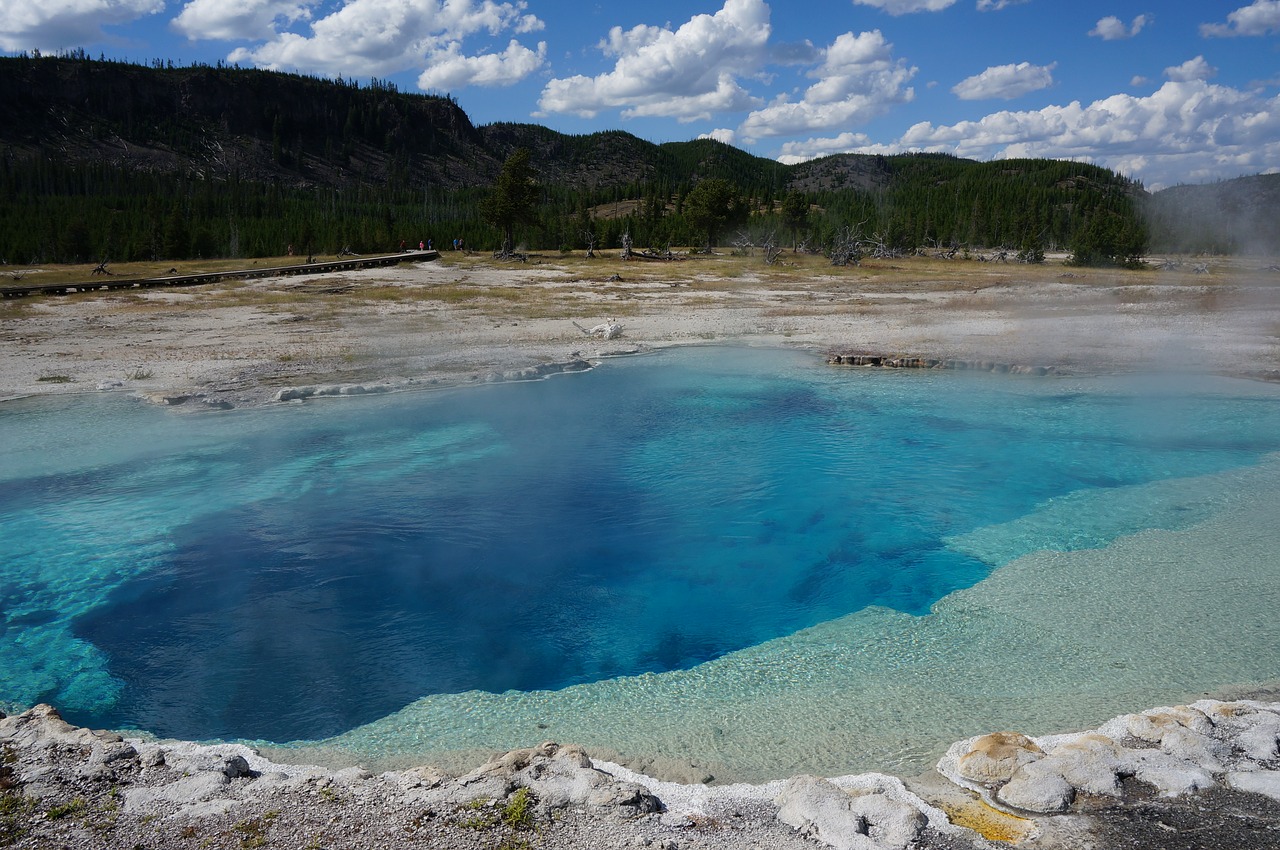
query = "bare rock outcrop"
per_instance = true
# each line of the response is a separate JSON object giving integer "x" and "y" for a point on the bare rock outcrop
{"x": 849, "y": 820}
{"x": 1168, "y": 752}
{"x": 558, "y": 776}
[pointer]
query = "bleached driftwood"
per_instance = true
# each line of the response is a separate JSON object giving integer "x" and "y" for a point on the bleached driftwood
{"x": 606, "y": 330}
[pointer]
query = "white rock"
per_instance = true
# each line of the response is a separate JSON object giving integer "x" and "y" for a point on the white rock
{"x": 209, "y": 808}
{"x": 1037, "y": 788}
{"x": 1170, "y": 774}
{"x": 993, "y": 759}
{"x": 558, "y": 777}
{"x": 1254, "y": 726}
{"x": 1265, "y": 782}
{"x": 1089, "y": 763}
{"x": 351, "y": 775}
{"x": 1093, "y": 763}
{"x": 184, "y": 793}
{"x": 1183, "y": 731}
{"x": 859, "y": 821}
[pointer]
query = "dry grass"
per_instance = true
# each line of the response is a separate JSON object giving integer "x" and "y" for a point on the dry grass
{"x": 14, "y": 308}
{"x": 570, "y": 286}
{"x": 72, "y": 273}
{"x": 802, "y": 310}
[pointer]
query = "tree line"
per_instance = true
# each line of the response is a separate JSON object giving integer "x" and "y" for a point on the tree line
{"x": 201, "y": 162}
{"x": 52, "y": 211}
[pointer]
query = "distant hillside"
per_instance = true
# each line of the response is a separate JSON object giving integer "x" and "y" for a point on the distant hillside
{"x": 1233, "y": 216}
{"x": 223, "y": 122}
{"x": 220, "y": 122}
{"x": 105, "y": 159}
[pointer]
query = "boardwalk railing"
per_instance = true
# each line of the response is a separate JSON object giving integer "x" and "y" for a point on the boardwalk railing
{"x": 112, "y": 283}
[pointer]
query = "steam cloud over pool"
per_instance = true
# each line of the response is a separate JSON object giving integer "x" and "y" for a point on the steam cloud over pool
{"x": 731, "y": 556}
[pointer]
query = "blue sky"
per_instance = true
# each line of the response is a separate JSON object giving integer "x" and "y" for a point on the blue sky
{"x": 1168, "y": 92}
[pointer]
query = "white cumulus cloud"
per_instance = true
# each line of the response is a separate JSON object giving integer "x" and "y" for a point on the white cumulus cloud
{"x": 857, "y": 80}
{"x": 721, "y": 134}
{"x": 1005, "y": 82}
{"x": 1185, "y": 132}
{"x": 449, "y": 69}
{"x": 238, "y": 19}
{"x": 689, "y": 73}
{"x": 33, "y": 25}
{"x": 906, "y": 7}
{"x": 997, "y": 5}
{"x": 1261, "y": 17}
{"x": 370, "y": 36}
{"x": 1112, "y": 28}
{"x": 1193, "y": 69}
{"x": 793, "y": 152}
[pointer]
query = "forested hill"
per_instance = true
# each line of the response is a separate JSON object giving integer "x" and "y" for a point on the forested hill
{"x": 226, "y": 123}
{"x": 1231, "y": 216}
{"x": 112, "y": 160}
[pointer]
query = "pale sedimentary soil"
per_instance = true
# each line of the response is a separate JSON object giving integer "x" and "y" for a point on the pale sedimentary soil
{"x": 1191, "y": 778}
{"x": 466, "y": 319}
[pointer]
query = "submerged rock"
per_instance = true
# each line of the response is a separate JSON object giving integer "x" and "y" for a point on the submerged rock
{"x": 891, "y": 362}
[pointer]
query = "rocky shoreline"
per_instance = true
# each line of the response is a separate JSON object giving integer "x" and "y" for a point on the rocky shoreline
{"x": 1205, "y": 775}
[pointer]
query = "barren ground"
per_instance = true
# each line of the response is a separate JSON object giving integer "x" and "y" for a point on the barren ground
{"x": 468, "y": 318}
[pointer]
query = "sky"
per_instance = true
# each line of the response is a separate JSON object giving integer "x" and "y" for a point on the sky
{"x": 1166, "y": 92}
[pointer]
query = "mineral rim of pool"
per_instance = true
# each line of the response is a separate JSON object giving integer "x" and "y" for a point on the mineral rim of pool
{"x": 736, "y": 558}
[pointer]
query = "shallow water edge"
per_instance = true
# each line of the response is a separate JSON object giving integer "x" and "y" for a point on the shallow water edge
{"x": 1162, "y": 614}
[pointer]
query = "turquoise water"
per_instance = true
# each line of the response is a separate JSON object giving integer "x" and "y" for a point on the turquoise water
{"x": 738, "y": 557}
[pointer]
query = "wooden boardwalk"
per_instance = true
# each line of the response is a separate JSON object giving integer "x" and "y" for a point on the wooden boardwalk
{"x": 109, "y": 283}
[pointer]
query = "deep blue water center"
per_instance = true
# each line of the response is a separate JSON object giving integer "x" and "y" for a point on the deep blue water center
{"x": 292, "y": 573}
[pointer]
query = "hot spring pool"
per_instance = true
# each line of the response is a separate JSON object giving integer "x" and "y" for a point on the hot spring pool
{"x": 738, "y": 558}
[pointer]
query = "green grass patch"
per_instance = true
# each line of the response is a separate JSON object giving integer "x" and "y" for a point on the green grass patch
{"x": 72, "y": 808}
{"x": 517, "y": 812}
{"x": 253, "y": 833}
{"x": 482, "y": 815}
{"x": 13, "y": 813}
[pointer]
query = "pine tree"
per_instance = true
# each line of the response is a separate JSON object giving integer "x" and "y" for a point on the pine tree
{"x": 712, "y": 206}
{"x": 795, "y": 215}
{"x": 513, "y": 198}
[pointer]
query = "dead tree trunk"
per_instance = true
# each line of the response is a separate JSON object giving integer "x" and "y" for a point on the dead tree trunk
{"x": 847, "y": 247}
{"x": 772, "y": 250}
